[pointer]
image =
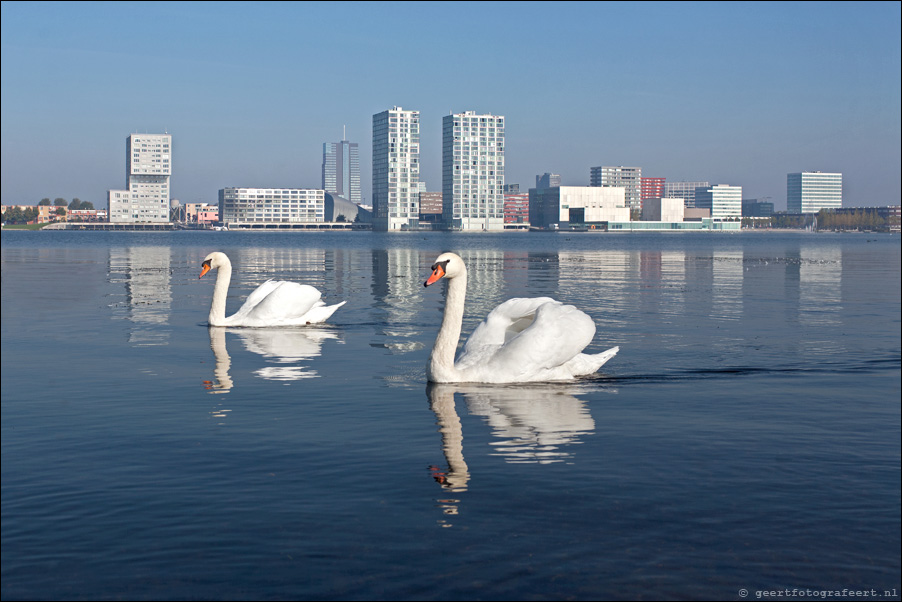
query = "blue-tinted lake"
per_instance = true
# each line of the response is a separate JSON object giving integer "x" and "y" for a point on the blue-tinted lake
{"x": 745, "y": 439}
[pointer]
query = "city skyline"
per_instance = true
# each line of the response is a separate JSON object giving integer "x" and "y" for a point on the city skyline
{"x": 728, "y": 93}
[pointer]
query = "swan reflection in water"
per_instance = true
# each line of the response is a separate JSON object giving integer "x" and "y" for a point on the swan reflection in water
{"x": 533, "y": 423}
{"x": 286, "y": 347}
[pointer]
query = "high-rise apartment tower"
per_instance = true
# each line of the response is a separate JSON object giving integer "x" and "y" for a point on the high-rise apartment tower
{"x": 396, "y": 169}
{"x": 473, "y": 171}
{"x": 628, "y": 178}
{"x": 148, "y": 168}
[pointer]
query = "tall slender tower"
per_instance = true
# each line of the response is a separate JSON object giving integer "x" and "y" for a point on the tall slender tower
{"x": 396, "y": 169}
{"x": 148, "y": 168}
{"x": 341, "y": 170}
{"x": 473, "y": 171}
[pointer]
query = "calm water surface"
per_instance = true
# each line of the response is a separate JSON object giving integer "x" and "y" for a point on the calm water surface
{"x": 747, "y": 436}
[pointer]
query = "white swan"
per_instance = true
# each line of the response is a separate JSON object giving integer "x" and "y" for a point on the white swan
{"x": 274, "y": 303}
{"x": 521, "y": 340}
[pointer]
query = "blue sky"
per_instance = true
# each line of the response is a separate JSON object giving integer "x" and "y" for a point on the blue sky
{"x": 732, "y": 93}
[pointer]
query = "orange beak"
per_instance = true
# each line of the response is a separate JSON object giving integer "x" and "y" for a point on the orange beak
{"x": 204, "y": 270}
{"x": 437, "y": 275}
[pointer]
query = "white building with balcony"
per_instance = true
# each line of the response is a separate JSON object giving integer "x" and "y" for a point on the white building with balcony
{"x": 148, "y": 169}
{"x": 473, "y": 171}
{"x": 396, "y": 170}
{"x": 250, "y": 207}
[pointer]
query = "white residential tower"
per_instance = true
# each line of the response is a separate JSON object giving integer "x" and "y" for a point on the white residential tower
{"x": 396, "y": 169}
{"x": 473, "y": 171}
{"x": 148, "y": 168}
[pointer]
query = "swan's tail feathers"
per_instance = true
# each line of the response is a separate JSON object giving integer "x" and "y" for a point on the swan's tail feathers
{"x": 584, "y": 364}
{"x": 321, "y": 313}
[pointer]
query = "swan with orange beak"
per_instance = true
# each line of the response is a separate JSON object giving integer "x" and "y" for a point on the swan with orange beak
{"x": 521, "y": 340}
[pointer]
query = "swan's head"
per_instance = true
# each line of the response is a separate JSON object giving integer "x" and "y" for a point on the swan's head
{"x": 213, "y": 261}
{"x": 447, "y": 265}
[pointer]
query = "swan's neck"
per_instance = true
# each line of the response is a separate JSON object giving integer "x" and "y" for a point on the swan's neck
{"x": 220, "y": 292}
{"x": 441, "y": 362}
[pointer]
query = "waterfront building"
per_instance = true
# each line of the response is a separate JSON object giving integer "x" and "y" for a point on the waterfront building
{"x": 548, "y": 180}
{"x": 208, "y": 215}
{"x": 683, "y": 190}
{"x": 652, "y": 188}
{"x": 567, "y": 206}
{"x": 811, "y": 191}
{"x": 723, "y": 201}
{"x": 148, "y": 168}
{"x": 516, "y": 208}
{"x": 341, "y": 170}
{"x": 247, "y": 207}
{"x": 431, "y": 207}
{"x": 757, "y": 208}
{"x": 663, "y": 210}
{"x": 87, "y": 215}
{"x": 473, "y": 171}
{"x": 396, "y": 169}
{"x": 192, "y": 210}
{"x": 48, "y": 213}
{"x": 628, "y": 178}
{"x": 339, "y": 209}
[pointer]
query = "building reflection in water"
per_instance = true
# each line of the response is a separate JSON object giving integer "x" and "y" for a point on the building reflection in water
{"x": 325, "y": 270}
{"x": 146, "y": 275}
{"x": 727, "y": 270}
{"x": 398, "y": 299}
{"x": 820, "y": 284}
{"x": 289, "y": 349}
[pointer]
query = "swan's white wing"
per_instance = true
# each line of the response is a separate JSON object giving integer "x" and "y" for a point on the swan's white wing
{"x": 285, "y": 303}
{"x": 557, "y": 335}
{"x": 541, "y": 350}
{"x": 321, "y": 312}
{"x": 525, "y": 338}
{"x": 505, "y": 322}
{"x": 258, "y": 295}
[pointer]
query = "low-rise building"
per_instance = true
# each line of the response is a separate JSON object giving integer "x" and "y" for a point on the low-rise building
{"x": 663, "y": 210}
{"x": 87, "y": 215}
{"x": 568, "y": 206}
{"x": 516, "y": 208}
{"x": 258, "y": 206}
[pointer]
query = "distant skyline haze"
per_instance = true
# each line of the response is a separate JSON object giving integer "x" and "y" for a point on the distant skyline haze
{"x": 730, "y": 93}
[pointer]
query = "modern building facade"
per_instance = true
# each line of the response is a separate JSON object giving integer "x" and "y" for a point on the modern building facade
{"x": 628, "y": 178}
{"x": 811, "y": 191}
{"x": 240, "y": 207}
{"x": 757, "y": 208}
{"x": 341, "y": 170}
{"x": 516, "y": 208}
{"x": 653, "y": 188}
{"x": 568, "y": 206}
{"x": 683, "y": 190}
{"x": 148, "y": 169}
{"x": 396, "y": 170}
{"x": 663, "y": 210}
{"x": 473, "y": 171}
{"x": 431, "y": 207}
{"x": 548, "y": 180}
{"x": 724, "y": 202}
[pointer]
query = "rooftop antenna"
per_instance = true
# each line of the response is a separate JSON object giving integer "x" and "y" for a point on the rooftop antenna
{"x": 344, "y": 134}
